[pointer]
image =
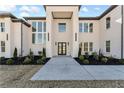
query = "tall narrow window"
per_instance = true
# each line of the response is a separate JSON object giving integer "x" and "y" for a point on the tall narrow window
{"x": 48, "y": 36}
{"x": 90, "y": 46}
{"x": 85, "y": 27}
{"x": 2, "y": 46}
{"x": 108, "y": 46}
{"x": 91, "y": 27}
{"x": 6, "y": 36}
{"x": 80, "y": 27}
{"x": 75, "y": 36}
{"x": 62, "y": 27}
{"x": 108, "y": 19}
{"x": 86, "y": 46}
{"x": 2, "y": 27}
{"x": 33, "y": 38}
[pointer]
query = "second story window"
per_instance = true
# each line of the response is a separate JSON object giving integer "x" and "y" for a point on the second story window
{"x": 62, "y": 27}
{"x": 86, "y": 27}
{"x": 108, "y": 21}
{"x": 38, "y": 32}
{"x": 2, "y": 27}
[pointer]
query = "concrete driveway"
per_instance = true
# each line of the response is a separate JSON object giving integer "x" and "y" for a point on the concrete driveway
{"x": 66, "y": 68}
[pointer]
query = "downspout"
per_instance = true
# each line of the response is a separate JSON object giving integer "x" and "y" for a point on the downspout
{"x": 21, "y": 39}
{"x": 122, "y": 32}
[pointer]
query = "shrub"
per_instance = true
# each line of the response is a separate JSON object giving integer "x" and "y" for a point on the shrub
{"x": 40, "y": 61}
{"x": 9, "y": 62}
{"x": 104, "y": 59}
{"x": 15, "y": 53}
{"x": 81, "y": 58}
{"x": 31, "y": 55}
{"x": 94, "y": 53}
{"x": 80, "y": 49}
{"x": 87, "y": 55}
{"x": 121, "y": 61}
{"x": 2, "y": 58}
{"x": 27, "y": 60}
{"x": 86, "y": 61}
{"x": 95, "y": 56}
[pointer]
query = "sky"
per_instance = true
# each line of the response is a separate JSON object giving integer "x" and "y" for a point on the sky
{"x": 38, "y": 10}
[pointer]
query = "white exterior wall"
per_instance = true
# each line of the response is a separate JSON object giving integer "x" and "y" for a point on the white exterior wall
{"x": 26, "y": 48}
{"x": 34, "y": 47}
{"x": 8, "y": 45}
{"x": 62, "y": 36}
{"x": 113, "y": 33}
{"x": 90, "y": 36}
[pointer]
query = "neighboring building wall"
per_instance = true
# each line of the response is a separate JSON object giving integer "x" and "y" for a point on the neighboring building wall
{"x": 113, "y": 33}
{"x": 90, "y": 36}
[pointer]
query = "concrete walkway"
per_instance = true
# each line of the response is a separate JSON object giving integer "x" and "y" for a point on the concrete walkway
{"x": 66, "y": 68}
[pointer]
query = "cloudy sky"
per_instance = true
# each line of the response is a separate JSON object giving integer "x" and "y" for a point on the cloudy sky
{"x": 38, "y": 10}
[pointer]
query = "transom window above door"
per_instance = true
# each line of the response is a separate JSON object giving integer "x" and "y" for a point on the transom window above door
{"x": 62, "y": 27}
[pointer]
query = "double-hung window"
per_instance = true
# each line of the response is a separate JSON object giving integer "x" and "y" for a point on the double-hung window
{"x": 2, "y": 27}
{"x": 38, "y": 32}
{"x": 2, "y": 46}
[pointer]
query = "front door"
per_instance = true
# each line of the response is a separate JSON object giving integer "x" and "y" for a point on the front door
{"x": 61, "y": 48}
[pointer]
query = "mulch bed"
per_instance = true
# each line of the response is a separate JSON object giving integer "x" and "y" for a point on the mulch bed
{"x": 19, "y": 61}
{"x": 92, "y": 61}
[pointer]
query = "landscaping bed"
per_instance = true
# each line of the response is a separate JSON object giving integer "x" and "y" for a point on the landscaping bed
{"x": 95, "y": 59}
{"x": 20, "y": 61}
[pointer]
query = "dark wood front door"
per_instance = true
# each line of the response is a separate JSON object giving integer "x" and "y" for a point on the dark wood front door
{"x": 61, "y": 48}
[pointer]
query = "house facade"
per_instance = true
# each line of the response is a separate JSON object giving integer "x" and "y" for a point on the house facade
{"x": 62, "y": 32}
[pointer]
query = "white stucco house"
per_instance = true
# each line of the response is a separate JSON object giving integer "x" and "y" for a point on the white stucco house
{"x": 62, "y": 31}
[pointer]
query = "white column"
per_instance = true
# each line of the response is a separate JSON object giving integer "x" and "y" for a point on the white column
{"x": 48, "y": 31}
{"x": 75, "y": 25}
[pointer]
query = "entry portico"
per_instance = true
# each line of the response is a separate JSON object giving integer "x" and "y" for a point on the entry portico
{"x": 59, "y": 43}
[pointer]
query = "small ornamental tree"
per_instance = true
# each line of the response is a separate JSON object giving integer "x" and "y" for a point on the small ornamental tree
{"x": 80, "y": 49}
{"x": 44, "y": 52}
{"x": 15, "y": 53}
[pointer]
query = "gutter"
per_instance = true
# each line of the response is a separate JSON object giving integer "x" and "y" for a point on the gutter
{"x": 122, "y": 29}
